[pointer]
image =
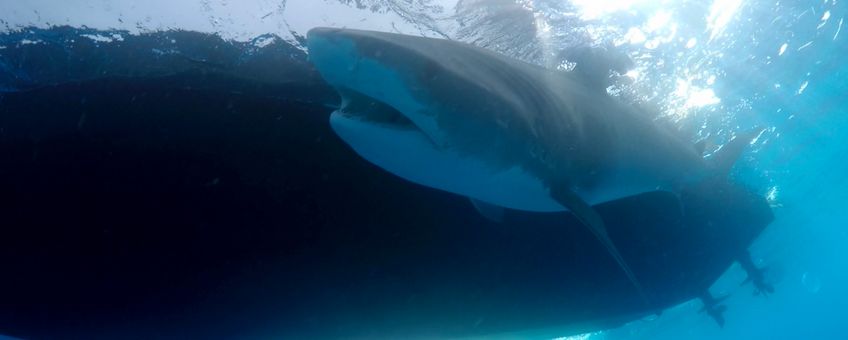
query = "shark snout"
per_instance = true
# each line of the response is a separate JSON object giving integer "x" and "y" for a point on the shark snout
{"x": 321, "y": 31}
{"x": 327, "y": 33}
{"x": 333, "y": 55}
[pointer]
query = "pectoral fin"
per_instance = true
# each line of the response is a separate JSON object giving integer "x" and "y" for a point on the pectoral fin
{"x": 491, "y": 212}
{"x": 590, "y": 218}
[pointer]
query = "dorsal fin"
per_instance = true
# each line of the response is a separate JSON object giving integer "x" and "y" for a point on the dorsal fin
{"x": 725, "y": 157}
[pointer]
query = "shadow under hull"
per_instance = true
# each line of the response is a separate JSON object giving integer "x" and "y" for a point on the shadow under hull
{"x": 175, "y": 206}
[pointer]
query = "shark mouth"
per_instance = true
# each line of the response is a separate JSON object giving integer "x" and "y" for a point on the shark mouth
{"x": 356, "y": 105}
{"x": 383, "y": 101}
{"x": 374, "y": 92}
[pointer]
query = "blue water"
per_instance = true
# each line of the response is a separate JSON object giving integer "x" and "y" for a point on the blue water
{"x": 805, "y": 161}
{"x": 797, "y": 93}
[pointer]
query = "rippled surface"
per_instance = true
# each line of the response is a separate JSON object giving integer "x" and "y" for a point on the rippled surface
{"x": 710, "y": 68}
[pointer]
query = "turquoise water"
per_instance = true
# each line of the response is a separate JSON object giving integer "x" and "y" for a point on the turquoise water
{"x": 780, "y": 65}
{"x": 799, "y": 94}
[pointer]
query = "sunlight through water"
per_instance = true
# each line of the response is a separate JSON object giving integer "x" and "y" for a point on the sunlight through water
{"x": 594, "y": 9}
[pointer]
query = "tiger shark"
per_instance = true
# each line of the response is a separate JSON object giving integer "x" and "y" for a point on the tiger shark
{"x": 505, "y": 133}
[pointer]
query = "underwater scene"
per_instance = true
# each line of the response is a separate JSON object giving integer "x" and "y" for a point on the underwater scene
{"x": 423, "y": 169}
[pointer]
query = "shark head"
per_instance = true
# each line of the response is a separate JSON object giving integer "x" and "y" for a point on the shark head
{"x": 417, "y": 108}
{"x": 375, "y": 92}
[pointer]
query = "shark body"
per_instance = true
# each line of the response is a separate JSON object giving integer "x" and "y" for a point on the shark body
{"x": 505, "y": 133}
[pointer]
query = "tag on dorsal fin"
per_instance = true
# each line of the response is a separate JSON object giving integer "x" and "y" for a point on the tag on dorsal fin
{"x": 491, "y": 212}
{"x": 590, "y": 218}
{"x": 725, "y": 157}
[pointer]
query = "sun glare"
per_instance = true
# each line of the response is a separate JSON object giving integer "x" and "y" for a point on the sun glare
{"x": 721, "y": 13}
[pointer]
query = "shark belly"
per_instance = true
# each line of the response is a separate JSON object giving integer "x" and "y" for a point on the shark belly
{"x": 411, "y": 155}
